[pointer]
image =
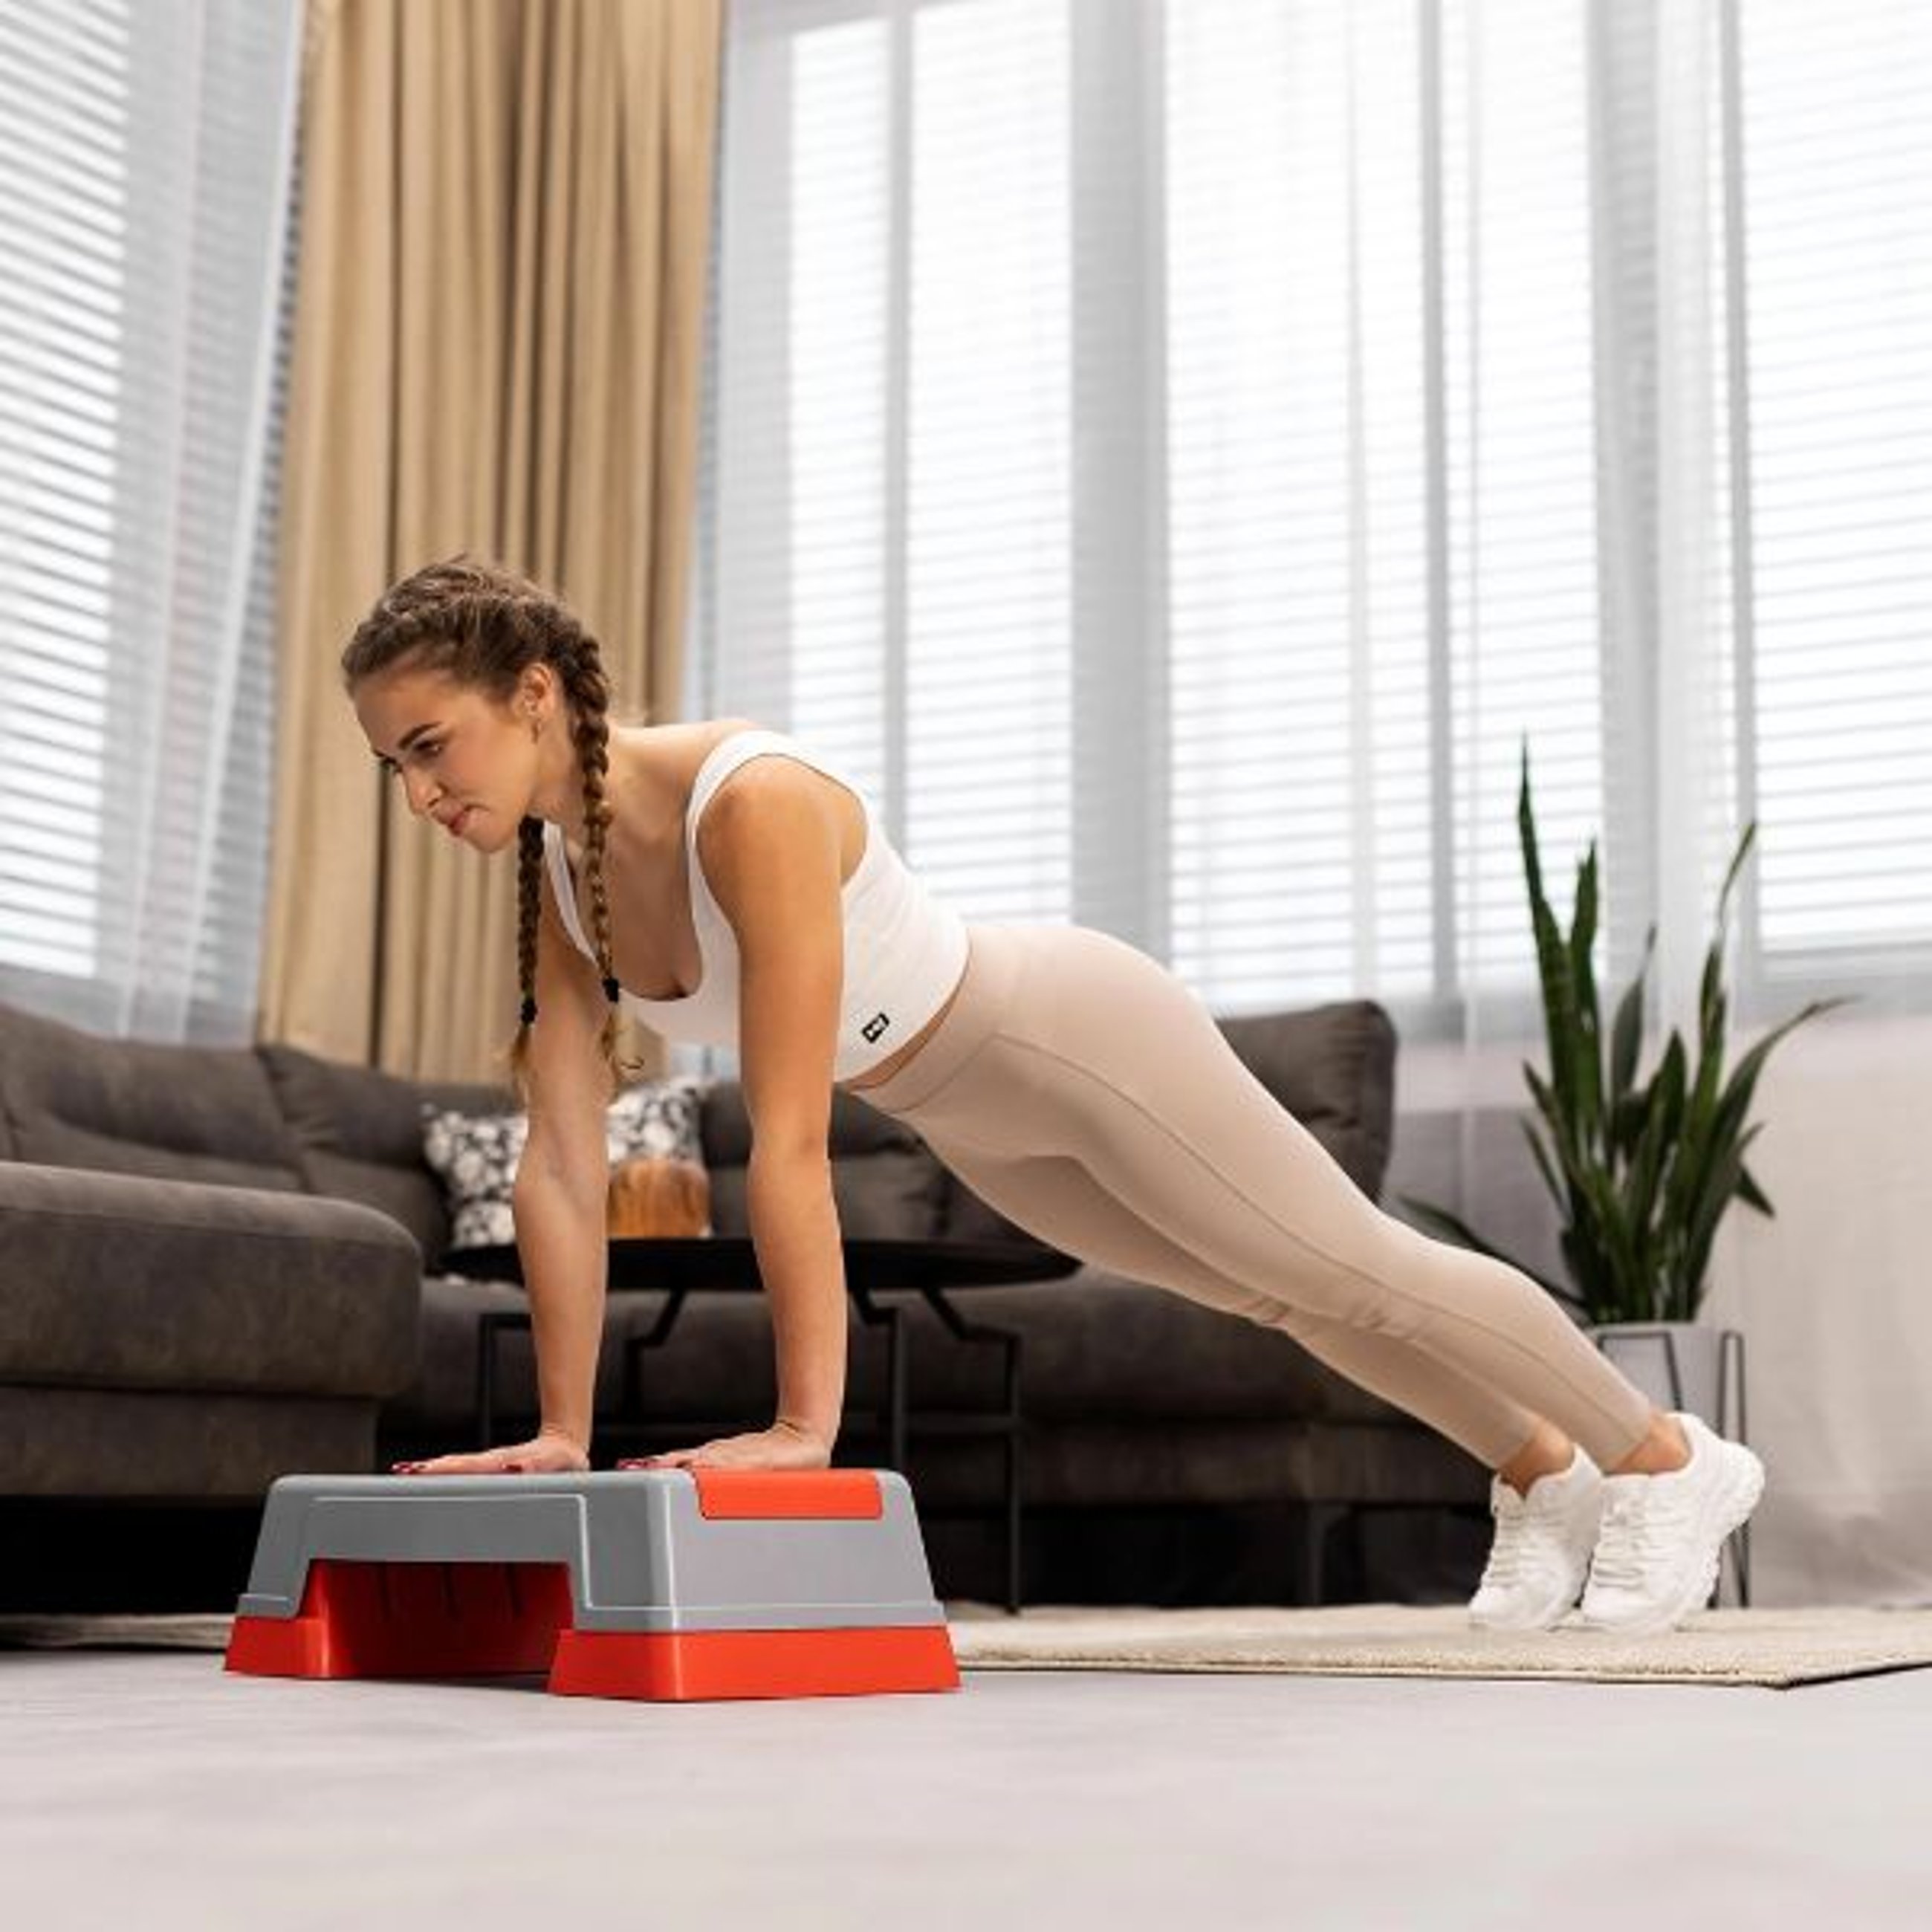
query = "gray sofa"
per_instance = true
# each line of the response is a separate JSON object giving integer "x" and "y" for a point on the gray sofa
{"x": 219, "y": 1265}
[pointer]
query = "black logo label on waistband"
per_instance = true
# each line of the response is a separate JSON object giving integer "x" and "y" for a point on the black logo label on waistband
{"x": 876, "y": 1025}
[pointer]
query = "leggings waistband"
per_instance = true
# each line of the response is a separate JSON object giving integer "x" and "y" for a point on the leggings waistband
{"x": 995, "y": 958}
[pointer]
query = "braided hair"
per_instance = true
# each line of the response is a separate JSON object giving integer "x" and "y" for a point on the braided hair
{"x": 480, "y": 624}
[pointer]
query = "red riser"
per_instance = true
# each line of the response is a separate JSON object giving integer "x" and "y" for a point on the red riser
{"x": 364, "y": 1619}
{"x": 361, "y": 1618}
{"x": 682, "y": 1665}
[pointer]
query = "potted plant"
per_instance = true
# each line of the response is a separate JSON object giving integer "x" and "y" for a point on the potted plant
{"x": 1641, "y": 1174}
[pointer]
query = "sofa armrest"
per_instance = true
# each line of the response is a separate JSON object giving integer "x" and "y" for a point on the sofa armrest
{"x": 125, "y": 1281}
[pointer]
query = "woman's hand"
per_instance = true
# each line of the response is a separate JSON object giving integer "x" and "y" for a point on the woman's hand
{"x": 785, "y": 1445}
{"x": 549, "y": 1453}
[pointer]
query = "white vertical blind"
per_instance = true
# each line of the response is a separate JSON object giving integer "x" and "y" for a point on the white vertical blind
{"x": 1179, "y": 452}
{"x": 1524, "y": 526}
{"x": 1301, "y": 861}
{"x": 896, "y": 565}
{"x": 1838, "y": 234}
{"x": 146, "y": 159}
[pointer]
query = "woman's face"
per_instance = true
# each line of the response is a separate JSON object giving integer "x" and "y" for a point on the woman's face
{"x": 468, "y": 764}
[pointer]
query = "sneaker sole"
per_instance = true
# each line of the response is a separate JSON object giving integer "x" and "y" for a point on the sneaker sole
{"x": 1546, "y": 1619}
{"x": 1728, "y": 1506}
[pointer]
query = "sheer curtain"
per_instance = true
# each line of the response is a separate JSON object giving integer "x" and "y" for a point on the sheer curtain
{"x": 146, "y": 159}
{"x": 1182, "y": 454}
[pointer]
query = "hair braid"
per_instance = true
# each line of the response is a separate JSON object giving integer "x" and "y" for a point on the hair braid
{"x": 479, "y": 623}
{"x": 589, "y": 693}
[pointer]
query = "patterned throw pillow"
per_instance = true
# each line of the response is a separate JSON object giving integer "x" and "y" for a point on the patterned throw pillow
{"x": 476, "y": 1155}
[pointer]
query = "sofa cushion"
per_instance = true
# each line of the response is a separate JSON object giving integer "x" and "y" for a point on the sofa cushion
{"x": 161, "y": 1445}
{"x": 139, "y": 1107}
{"x": 124, "y": 1281}
{"x": 476, "y": 1156}
{"x": 357, "y": 1133}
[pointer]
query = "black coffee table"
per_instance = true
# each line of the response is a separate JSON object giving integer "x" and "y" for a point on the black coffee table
{"x": 680, "y": 1266}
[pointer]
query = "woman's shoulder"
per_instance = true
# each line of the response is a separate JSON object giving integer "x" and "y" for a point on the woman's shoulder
{"x": 678, "y": 751}
{"x": 688, "y": 743}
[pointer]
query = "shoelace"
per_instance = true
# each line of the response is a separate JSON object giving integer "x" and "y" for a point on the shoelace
{"x": 1635, "y": 1527}
{"x": 1503, "y": 1564}
{"x": 1512, "y": 1540}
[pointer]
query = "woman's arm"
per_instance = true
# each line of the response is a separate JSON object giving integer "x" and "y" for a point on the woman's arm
{"x": 770, "y": 849}
{"x": 560, "y": 1238}
{"x": 559, "y": 1204}
{"x": 795, "y": 1231}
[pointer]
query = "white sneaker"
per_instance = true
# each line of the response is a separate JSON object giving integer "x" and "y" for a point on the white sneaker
{"x": 1656, "y": 1558}
{"x": 1542, "y": 1547}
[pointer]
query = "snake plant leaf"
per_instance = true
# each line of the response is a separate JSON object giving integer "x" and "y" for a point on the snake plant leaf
{"x": 1597, "y": 1287}
{"x": 1559, "y": 998}
{"x": 1588, "y": 1049}
{"x": 1567, "y": 1153}
{"x": 1543, "y": 1162}
{"x": 1559, "y": 1013}
{"x": 1613, "y": 1229}
{"x": 1710, "y": 1050}
{"x": 1731, "y": 877}
{"x": 1627, "y": 1117}
{"x": 1642, "y": 1175}
{"x": 1693, "y": 1123}
{"x": 1526, "y": 825}
{"x": 1573, "y": 1160}
{"x": 1709, "y": 1209}
{"x": 1743, "y": 1078}
{"x": 1668, "y": 1085}
{"x": 1711, "y": 1007}
{"x": 1662, "y": 1105}
{"x": 1627, "y": 1030}
{"x": 1545, "y": 1101}
{"x": 1709, "y": 1013}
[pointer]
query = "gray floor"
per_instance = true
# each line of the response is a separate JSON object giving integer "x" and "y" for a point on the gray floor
{"x": 154, "y": 1790}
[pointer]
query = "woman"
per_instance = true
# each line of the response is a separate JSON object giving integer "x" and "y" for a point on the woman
{"x": 1068, "y": 1078}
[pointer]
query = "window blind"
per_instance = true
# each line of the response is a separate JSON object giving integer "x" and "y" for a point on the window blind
{"x": 1837, "y": 255}
{"x": 1178, "y": 453}
{"x": 145, "y": 159}
{"x": 888, "y": 427}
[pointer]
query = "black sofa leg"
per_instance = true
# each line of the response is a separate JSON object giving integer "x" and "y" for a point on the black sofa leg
{"x": 1318, "y": 1519}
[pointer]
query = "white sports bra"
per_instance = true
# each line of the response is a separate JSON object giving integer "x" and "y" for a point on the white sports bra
{"x": 905, "y": 948}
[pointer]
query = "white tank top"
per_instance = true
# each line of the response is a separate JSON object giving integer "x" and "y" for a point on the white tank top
{"x": 904, "y": 949}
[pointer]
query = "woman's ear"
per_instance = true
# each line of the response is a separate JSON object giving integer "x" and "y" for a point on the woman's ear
{"x": 536, "y": 690}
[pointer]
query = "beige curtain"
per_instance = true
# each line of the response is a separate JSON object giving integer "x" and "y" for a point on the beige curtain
{"x": 505, "y": 227}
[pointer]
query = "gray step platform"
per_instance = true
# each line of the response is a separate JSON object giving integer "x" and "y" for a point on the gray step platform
{"x": 682, "y": 1583}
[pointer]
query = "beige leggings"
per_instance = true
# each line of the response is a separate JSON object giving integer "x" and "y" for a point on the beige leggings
{"x": 1086, "y": 1093}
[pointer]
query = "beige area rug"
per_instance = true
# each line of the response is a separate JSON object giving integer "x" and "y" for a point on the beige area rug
{"x": 1778, "y": 1648}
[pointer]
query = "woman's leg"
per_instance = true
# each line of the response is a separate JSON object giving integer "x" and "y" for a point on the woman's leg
{"x": 1053, "y": 1196}
{"x": 1100, "y": 1055}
